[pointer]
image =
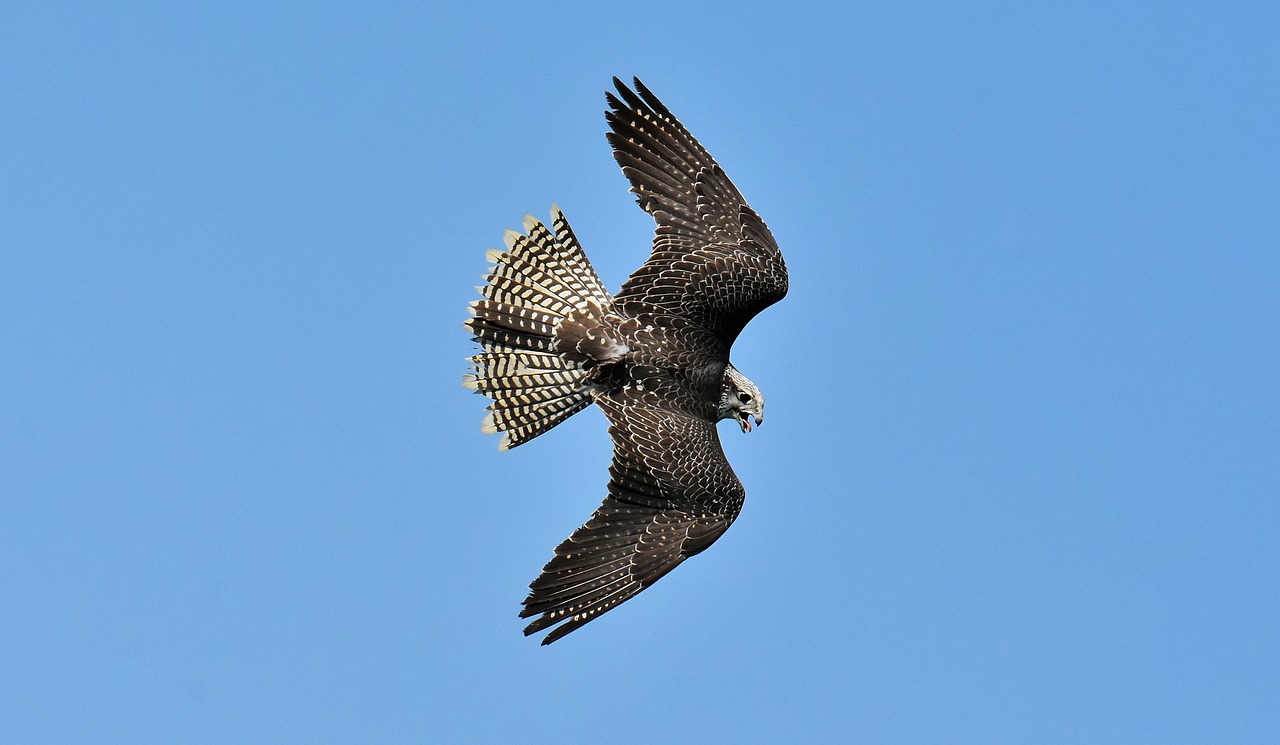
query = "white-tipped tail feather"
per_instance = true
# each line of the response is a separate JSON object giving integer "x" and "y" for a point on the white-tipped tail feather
{"x": 541, "y": 279}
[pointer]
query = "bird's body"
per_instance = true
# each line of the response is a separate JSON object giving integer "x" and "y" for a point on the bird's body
{"x": 655, "y": 359}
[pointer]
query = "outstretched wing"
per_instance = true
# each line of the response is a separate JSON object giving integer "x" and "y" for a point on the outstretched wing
{"x": 714, "y": 260}
{"x": 671, "y": 495}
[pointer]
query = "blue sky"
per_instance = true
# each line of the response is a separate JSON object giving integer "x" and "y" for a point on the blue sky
{"x": 1020, "y": 474}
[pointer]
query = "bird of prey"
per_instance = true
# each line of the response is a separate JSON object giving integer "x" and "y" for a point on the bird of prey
{"x": 654, "y": 358}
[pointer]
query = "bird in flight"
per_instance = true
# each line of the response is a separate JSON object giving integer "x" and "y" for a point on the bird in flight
{"x": 654, "y": 358}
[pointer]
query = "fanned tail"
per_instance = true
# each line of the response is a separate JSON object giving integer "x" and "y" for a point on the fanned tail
{"x": 539, "y": 281}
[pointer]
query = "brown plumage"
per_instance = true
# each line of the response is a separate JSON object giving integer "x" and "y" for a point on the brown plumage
{"x": 655, "y": 359}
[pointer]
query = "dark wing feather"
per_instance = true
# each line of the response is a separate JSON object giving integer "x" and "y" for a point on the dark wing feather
{"x": 714, "y": 260}
{"x": 671, "y": 495}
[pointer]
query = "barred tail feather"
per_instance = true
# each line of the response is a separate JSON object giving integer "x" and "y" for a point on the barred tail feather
{"x": 542, "y": 278}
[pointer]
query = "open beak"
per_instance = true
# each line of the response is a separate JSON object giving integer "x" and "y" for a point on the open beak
{"x": 744, "y": 420}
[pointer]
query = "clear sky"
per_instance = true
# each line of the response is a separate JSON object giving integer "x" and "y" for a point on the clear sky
{"x": 1020, "y": 478}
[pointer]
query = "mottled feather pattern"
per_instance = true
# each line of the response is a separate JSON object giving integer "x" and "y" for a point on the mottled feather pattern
{"x": 678, "y": 454}
{"x": 671, "y": 495}
{"x": 620, "y": 551}
{"x": 655, "y": 359}
{"x": 695, "y": 206}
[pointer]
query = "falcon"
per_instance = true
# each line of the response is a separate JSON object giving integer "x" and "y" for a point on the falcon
{"x": 654, "y": 358}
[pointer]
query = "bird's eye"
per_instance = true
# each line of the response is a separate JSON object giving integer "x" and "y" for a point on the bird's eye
{"x": 744, "y": 397}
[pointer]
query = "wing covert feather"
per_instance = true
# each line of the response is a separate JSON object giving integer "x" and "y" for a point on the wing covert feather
{"x": 714, "y": 260}
{"x": 671, "y": 495}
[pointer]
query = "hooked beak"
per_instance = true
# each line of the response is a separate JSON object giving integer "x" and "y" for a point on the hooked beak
{"x": 744, "y": 420}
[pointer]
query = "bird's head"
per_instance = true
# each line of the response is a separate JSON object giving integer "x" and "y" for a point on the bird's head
{"x": 740, "y": 399}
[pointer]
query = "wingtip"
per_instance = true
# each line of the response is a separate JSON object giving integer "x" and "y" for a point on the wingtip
{"x": 624, "y": 90}
{"x": 539, "y": 624}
